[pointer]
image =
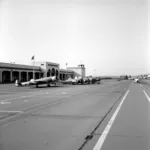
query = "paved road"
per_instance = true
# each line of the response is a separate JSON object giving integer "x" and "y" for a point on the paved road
{"x": 129, "y": 128}
{"x": 56, "y": 118}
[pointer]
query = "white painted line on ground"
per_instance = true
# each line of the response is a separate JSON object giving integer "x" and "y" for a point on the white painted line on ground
{"x": 63, "y": 93}
{"x": 5, "y": 102}
{"x": 40, "y": 94}
{"x": 29, "y": 96}
{"x": 8, "y": 99}
{"x": 141, "y": 85}
{"x": 8, "y": 111}
{"x": 102, "y": 138}
{"x": 26, "y": 100}
{"x": 146, "y": 95}
{"x": 22, "y": 97}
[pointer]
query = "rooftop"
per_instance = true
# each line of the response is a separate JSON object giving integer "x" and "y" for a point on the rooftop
{"x": 64, "y": 70}
{"x": 74, "y": 68}
{"x": 17, "y": 66}
{"x": 46, "y": 62}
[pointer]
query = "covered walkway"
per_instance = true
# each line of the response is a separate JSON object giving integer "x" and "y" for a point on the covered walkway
{"x": 10, "y": 72}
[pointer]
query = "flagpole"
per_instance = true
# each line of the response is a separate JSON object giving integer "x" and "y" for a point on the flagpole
{"x": 33, "y": 68}
{"x": 66, "y": 70}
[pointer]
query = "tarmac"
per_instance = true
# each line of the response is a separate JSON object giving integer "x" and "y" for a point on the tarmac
{"x": 113, "y": 115}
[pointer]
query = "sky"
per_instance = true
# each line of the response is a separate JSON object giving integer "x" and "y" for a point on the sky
{"x": 108, "y": 36}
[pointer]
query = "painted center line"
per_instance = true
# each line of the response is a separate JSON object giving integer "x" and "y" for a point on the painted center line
{"x": 102, "y": 138}
{"x": 146, "y": 95}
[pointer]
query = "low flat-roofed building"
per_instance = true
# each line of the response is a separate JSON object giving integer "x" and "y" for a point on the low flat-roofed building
{"x": 9, "y": 72}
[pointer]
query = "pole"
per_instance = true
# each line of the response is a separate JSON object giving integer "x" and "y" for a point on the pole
{"x": 94, "y": 72}
{"x": 33, "y": 69}
{"x": 66, "y": 72}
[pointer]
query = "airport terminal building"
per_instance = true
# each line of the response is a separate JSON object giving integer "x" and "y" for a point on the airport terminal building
{"x": 80, "y": 69}
{"x": 9, "y": 72}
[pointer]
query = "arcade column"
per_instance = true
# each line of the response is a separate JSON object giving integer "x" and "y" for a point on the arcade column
{"x": 27, "y": 76}
{"x": 11, "y": 76}
{"x": 39, "y": 75}
{"x": 1, "y": 76}
{"x": 19, "y": 75}
{"x": 33, "y": 74}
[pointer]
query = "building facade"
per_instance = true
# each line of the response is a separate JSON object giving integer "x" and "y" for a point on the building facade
{"x": 80, "y": 70}
{"x": 48, "y": 68}
{"x": 65, "y": 74}
{"x": 10, "y": 72}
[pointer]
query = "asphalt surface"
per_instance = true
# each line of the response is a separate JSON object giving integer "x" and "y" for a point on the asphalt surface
{"x": 131, "y": 127}
{"x": 73, "y": 117}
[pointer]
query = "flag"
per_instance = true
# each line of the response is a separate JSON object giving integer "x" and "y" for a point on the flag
{"x": 32, "y": 58}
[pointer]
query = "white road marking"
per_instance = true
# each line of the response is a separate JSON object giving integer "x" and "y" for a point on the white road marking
{"x": 22, "y": 97}
{"x": 26, "y": 100}
{"x": 29, "y": 96}
{"x": 8, "y": 99}
{"x": 146, "y": 95}
{"x": 63, "y": 93}
{"x": 8, "y": 111}
{"x": 36, "y": 94}
{"x": 141, "y": 85}
{"x": 102, "y": 138}
{"x": 5, "y": 102}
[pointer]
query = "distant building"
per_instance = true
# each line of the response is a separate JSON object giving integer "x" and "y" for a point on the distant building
{"x": 148, "y": 76}
{"x": 124, "y": 77}
{"x": 80, "y": 70}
